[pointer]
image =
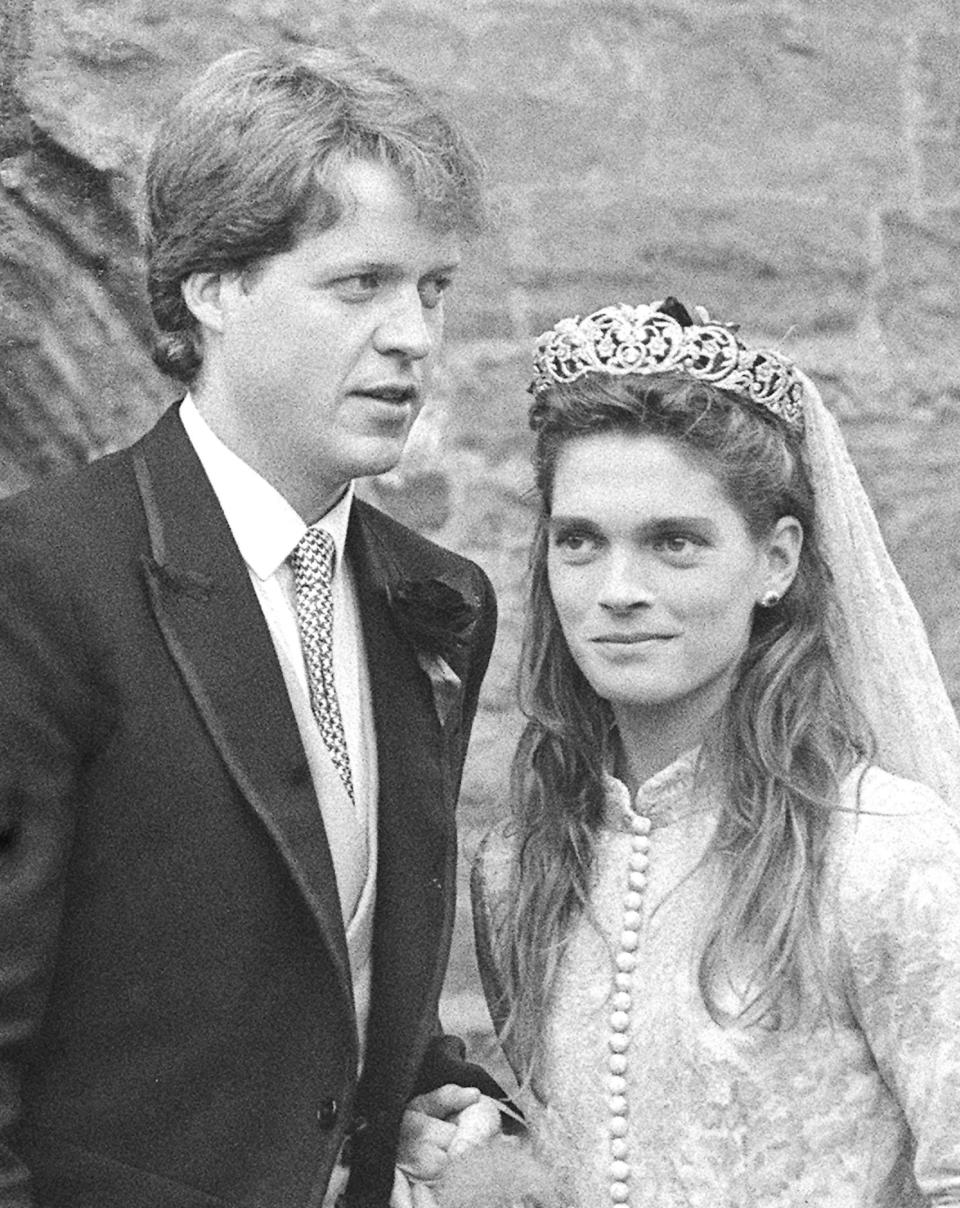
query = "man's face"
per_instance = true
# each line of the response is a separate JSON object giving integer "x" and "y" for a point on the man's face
{"x": 323, "y": 353}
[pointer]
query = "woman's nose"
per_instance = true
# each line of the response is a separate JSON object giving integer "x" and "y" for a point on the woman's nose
{"x": 625, "y": 585}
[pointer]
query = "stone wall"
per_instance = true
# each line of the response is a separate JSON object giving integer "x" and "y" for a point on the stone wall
{"x": 792, "y": 164}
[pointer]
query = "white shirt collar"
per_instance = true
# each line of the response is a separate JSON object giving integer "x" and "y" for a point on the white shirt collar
{"x": 264, "y": 525}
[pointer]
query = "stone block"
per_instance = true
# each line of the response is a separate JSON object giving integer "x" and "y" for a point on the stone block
{"x": 487, "y": 397}
{"x": 894, "y": 15}
{"x": 100, "y": 75}
{"x": 420, "y": 500}
{"x": 581, "y": 55}
{"x": 938, "y": 133}
{"x": 910, "y": 465}
{"x": 919, "y": 302}
{"x": 747, "y": 100}
{"x": 76, "y": 379}
{"x": 422, "y": 41}
{"x": 483, "y": 305}
{"x": 777, "y": 267}
{"x": 526, "y": 138}
{"x": 540, "y": 81}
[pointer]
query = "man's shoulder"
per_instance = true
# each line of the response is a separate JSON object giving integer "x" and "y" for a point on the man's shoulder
{"x": 90, "y": 503}
{"x": 60, "y": 509}
{"x": 102, "y": 472}
{"x": 415, "y": 555}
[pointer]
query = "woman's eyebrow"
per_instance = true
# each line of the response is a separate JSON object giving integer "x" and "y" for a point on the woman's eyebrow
{"x": 649, "y": 524}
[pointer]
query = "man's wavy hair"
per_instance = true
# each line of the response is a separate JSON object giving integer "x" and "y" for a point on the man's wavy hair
{"x": 246, "y": 163}
{"x": 785, "y": 739}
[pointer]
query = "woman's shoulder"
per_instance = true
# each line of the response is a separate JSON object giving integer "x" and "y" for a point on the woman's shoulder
{"x": 871, "y": 798}
{"x": 887, "y": 831}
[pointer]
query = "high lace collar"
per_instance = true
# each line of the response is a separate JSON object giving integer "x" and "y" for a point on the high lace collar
{"x": 666, "y": 797}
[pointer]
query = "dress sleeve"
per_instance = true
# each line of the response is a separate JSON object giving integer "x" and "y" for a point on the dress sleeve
{"x": 899, "y": 915}
{"x": 488, "y": 879}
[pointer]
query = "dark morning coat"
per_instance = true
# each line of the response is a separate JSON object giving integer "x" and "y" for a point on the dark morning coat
{"x": 176, "y": 1023}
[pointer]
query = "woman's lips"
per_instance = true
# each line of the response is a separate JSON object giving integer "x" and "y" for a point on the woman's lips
{"x": 631, "y": 639}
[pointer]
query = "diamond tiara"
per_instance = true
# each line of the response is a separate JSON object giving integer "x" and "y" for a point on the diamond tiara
{"x": 662, "y": 338}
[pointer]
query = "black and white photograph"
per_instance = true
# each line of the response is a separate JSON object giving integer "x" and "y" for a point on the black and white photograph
{"x": 479, "y": 604}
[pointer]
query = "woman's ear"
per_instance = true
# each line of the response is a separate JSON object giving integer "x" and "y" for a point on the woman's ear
{"x": 782, "y": 558}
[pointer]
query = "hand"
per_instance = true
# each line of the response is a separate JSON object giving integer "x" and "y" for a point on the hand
{"x": 424, "y": 1141}
{"x": 442, "y": 1124}
{"x": 477, "y": 1123}
{"x": 409, "y": 1194}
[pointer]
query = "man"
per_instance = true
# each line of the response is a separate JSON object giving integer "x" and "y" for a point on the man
{"x": 234, "y": 700}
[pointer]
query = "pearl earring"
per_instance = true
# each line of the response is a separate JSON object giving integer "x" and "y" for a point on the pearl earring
{"x": 769, "y": 599}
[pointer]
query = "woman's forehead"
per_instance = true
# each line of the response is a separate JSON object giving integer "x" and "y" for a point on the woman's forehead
{"x": 622, "y": 473}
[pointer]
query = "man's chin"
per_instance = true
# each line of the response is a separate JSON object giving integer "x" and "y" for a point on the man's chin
{"x": 379, "y": 457}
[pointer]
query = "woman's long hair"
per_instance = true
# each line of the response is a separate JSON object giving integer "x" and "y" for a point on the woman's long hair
{"x": 783, "y": 742}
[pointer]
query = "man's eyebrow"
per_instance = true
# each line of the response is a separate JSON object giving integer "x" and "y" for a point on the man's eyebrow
{"x": 354, "y": 268}
{"x": 357, "y": 268}
{"x": 680, "y": 521}
{"x": 449, "y": 266}
{"x": 558, "y": 518}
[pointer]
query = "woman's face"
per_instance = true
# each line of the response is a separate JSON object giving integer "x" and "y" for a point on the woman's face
{"x": 654, "y": 575}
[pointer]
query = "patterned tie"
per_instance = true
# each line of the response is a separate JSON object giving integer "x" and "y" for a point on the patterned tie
{"x": 312, "y": 563}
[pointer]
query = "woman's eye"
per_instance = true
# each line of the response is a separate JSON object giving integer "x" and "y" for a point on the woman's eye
{"x": 678, "y": 545}
{"x": 432, "y": 291}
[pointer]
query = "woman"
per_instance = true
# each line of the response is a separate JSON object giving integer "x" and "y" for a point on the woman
{"x": 720, "y": 938}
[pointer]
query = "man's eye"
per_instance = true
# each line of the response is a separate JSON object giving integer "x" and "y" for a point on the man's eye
{"x": 574, "y": 545}
{"x": 432, "y": 291}
{"x": 360, "y": 285}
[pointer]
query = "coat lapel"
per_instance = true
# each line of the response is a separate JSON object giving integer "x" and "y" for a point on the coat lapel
{"x": 211, "y": 620}
{"x": 417, "y": 850}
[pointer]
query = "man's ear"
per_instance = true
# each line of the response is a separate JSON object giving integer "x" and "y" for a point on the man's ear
{"x": 203, "y": 294}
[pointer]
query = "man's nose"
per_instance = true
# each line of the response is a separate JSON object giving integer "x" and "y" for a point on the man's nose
{"x": 407, "y": 328}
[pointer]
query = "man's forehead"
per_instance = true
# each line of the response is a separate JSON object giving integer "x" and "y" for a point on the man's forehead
{"x": 382, "y": 228}
{"x": 366, "y": 188}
